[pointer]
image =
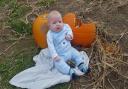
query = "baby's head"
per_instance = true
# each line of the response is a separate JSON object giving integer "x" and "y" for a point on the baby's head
{"x": 55, "y": 21}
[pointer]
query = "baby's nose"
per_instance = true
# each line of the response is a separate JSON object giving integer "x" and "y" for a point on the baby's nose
{"x": 58, "y": 23}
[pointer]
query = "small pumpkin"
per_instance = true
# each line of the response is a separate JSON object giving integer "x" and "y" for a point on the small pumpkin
{"x": 84, "y": 34}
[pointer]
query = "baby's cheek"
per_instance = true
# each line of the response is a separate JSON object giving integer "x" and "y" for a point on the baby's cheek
{"x": 62, "y": 25}
{"x": 52, "y": 27}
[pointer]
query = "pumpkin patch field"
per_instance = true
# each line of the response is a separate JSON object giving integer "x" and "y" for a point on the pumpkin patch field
{"x": 100, "y": 28}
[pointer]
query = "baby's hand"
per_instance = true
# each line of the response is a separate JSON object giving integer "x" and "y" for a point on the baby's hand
{"x": 68, "y": 37}
{"x": 56, "y": 58}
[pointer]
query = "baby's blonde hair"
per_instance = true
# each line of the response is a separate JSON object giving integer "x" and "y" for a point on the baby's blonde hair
{"x": 54, "y": 13}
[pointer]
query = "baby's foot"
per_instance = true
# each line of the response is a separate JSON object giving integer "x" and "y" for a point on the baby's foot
{"x": 78, "y": 72}
{"x": 84, "y": 68}
{"x": 75, "y": 73}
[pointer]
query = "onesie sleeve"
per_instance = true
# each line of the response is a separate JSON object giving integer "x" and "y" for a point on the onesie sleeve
{"x": 51, "y": 45}
{"x": 69, "y": 30}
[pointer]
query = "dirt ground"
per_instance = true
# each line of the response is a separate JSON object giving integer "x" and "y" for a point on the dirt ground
{"x": 110, "y": 17}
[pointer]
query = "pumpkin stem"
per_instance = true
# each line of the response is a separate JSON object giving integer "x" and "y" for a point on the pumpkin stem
{"x": 77, "y": 22}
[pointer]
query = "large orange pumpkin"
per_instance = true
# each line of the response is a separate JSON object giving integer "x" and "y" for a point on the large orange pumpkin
{"x": 84, "y": 34}
{"x": 40, "y": 30}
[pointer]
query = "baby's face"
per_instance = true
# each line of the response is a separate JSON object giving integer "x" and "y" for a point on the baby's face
{"x": 56, "y": 24}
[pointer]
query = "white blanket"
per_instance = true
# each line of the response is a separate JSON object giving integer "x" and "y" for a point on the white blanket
{"x": 43, "y": 74}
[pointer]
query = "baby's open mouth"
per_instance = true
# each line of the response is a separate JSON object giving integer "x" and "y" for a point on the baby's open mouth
{"x": 58, "y": 28}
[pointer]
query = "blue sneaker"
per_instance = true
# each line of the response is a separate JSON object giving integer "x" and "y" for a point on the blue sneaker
{"x": 88, "y": 70}
{"x": 73, "y": 74}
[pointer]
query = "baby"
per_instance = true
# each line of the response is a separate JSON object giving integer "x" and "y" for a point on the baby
{"x": 59, "y": 37}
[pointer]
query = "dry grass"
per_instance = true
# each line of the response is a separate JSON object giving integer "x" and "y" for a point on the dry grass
{"x": 109, "y": 65}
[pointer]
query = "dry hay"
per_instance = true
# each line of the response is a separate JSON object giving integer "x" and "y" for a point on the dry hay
{"x": 108, "y": 64}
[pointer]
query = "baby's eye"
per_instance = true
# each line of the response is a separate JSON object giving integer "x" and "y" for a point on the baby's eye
{"x": 54, "y": 23}
{"x": 59, "y": 21}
